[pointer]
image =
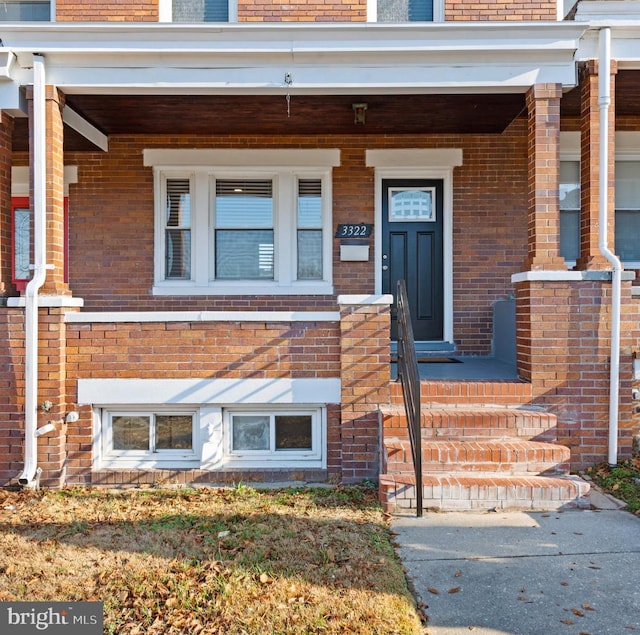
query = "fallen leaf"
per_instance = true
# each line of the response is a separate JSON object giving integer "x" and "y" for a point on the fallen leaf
{"x": 433, "y": 590}
{"x": 569, "y": 622}
{"x": 577, "y": 612}
{"x": 587, "y": 607}
{"x": 265, "y": 579}
{"x": 564, "y": 584}
{"x": 457, "y": 574}
{"x": 456, "y": 589}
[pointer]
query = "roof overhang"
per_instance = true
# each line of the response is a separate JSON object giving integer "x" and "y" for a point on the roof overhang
{"x": 98, "y": 58}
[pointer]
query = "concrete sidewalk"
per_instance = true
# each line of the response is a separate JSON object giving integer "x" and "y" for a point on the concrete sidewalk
{"x": 515, "y": 573}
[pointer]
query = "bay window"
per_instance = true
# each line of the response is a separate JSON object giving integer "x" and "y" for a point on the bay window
{"x": 233, "y": 229}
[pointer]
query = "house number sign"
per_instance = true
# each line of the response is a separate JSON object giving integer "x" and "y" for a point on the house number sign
{"x": 354, "y": 230}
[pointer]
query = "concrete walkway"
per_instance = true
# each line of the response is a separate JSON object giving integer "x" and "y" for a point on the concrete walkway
{"x": 515, "y": 573}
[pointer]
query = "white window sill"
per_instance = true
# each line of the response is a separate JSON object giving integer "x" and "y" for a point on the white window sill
{"x": 147, "y": 464}
{"x": 243, "y": 288}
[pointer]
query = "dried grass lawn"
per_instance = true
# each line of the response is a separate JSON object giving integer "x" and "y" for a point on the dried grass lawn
{"x": 210, "y": 561}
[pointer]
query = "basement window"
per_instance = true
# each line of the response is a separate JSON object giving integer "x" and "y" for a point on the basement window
{"x": 140, "y": 438}
{"x": 268, "y": 438}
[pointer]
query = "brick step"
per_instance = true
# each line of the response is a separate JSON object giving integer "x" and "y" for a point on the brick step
{"x": 510, "y": 456}
{"x": 465, "y": 492}
{"x": 468, "y": 392}
{"x": 469, "y": 423}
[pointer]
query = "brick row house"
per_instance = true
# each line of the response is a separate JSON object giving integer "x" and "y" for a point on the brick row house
{"x": 205, "y": 208}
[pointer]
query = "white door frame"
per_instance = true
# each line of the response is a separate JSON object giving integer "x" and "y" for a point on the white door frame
{"x": 418, "y": 163}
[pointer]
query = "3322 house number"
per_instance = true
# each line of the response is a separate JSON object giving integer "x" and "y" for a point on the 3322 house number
{"x": 353, "y": 230}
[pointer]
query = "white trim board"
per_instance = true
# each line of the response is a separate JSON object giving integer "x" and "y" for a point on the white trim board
{"x": 122, "y": 392}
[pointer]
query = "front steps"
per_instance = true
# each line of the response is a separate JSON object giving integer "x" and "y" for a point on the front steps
{"x": 482, "y": 449}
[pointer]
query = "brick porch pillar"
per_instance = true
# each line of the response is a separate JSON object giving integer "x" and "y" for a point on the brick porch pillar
{"x": 590, "y": 256}
{"x": 6, "y": 242}
{"x": 365, "y": 370}
{"x": 543, "y": 104}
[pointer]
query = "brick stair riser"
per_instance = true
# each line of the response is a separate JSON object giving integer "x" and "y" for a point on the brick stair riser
{"x": 536, "y": 461}
{"x": 456, "y": 393}
{"x": 466, "y": 425}
{"x": 484, "y": 493}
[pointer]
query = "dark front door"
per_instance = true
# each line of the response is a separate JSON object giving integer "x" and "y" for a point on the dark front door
{"x": 412, "y": 249}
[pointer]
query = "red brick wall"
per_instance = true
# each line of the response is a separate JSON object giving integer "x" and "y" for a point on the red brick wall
{"x": 500, "y": 10}
{"x": 365, "y": 374}
{"x": 114, "y": 11}
{"x": 11, "y": 393}
{"x": 302, "y": 11}
{"x": 564, "y": 350}
{"x": 208, "y": 350}
{"x": 115, "y": 225}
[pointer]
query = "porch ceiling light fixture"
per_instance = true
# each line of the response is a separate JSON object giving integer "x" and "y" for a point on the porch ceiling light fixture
{"x": 359, "y": 110}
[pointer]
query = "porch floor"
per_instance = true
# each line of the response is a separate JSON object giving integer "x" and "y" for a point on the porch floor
{"x": 467, "y": 369}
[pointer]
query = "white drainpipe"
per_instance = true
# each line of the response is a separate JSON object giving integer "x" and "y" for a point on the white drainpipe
{"x": 604, "y": 101}
{"x": 31, "y": 470}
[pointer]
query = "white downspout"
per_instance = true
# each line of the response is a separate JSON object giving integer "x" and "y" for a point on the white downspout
{"x": 39, "y": 275}
{"x": 604, "y": 101}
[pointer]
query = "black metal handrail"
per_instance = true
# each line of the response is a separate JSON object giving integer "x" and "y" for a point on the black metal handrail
{"x": 409, "y": 377}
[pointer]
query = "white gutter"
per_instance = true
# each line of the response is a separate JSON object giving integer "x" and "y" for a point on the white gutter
{"x": 31, "y": 469}
{"x": 604, "y": 101}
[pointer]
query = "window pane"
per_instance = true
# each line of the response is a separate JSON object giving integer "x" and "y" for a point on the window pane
{"x": 405, "y": 10}
{"x": 173, "y": 432}
{"x": 627, "y": 233}
{"x": 178, "y": 203}
{"x": 21, "y": 243}
{"x": 244, "y": 204}
{"x": 310, "y": 254}
{"x": 411, "y": 204}
{"x": 293, "y": 432}
{"x": 570, "y": 234}
{"x": 130, "y": 432}
{"x": 250, "y": 432}
{"x": 569, "y": 185}
{"x": 200, "y": 10}
{"x": 178, "y": 254}
{"x": 244, "y": 254}
{"x": 628, "y": 185}
{"x": 310, "y": 204}
{"x": 33, "y": 11}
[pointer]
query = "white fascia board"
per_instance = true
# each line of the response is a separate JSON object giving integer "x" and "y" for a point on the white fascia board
{"x": 340, "y": 79}
{"x": 624, "y": 44}
{"x": 609, "y": 10}
{"x": 163, "y": 58}
{"x": 132, "y": 391}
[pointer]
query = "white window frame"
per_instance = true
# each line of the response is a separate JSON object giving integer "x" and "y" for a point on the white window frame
{"x": 438, "y": 11}
{"x": 272, "y": 458}
{"x": 203, "y": 168}
{"x": 165, "y": 11}
{"x": 147, "y": 459}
